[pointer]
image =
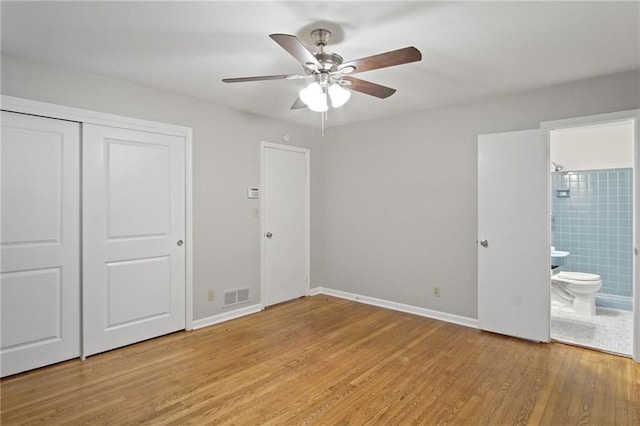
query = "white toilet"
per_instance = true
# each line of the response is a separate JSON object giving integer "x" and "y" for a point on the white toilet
{"x": 575, "y": 291}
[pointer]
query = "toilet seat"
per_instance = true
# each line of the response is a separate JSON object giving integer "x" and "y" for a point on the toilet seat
{"x": 576, "y": 276}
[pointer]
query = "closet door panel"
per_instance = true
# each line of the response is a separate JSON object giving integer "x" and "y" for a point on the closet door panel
{"x": 40, "y": 242}
{"x": 134, "y": 230}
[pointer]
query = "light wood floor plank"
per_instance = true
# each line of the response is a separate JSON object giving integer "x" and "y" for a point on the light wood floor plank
{"x": 323, "y": 360}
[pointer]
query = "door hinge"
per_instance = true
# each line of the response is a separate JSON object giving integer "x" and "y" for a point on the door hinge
{"x": 635, "y": 251}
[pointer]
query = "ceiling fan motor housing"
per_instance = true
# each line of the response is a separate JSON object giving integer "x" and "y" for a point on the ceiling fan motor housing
{"x": 328, "y": 60}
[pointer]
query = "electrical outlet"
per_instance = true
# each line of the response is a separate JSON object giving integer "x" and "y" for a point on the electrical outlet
{"x": 212, "y": 295}
{"x": 436, "y": 291}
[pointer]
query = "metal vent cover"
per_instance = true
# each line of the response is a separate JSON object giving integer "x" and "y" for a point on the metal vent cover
{"x": 235, "y": 297}
{"x": 243, "y": 295}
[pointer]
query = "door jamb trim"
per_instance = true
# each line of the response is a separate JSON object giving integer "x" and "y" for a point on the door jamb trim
{"x": 632, "y": 114}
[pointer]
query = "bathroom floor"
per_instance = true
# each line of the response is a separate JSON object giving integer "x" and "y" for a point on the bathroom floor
{"x": 610, "y": 330}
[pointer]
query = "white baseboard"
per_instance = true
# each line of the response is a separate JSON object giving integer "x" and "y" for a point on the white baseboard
{"x": 415, "y": 310}
{"x": 226, "y": 316}
{"x": 423, "y": 312}
{"x": 315, "y": 291}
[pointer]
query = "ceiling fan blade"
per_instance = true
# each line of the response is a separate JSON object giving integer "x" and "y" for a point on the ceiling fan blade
{"x": 265, "y": 77}
{"x": 298, "y": 104}
{"x": 383, "y": 60}
{"x": 294, "y": 46}
{"x": 369, "y": 88}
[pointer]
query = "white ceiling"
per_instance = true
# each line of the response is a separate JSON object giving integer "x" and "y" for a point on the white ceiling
{"x": 470, "y": 49}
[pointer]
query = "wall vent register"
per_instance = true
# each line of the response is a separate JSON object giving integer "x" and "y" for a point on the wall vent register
{"x": 235, "y": 297}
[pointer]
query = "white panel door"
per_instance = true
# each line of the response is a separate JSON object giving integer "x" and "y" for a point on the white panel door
{"x": 40, "y": 286}
{"x": 286, "y": 220}
{"x": 133, "y": 233}
{"x": 513, "y": 219}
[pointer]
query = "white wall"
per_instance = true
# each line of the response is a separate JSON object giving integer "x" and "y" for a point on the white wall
{"x": 393, "y": 200}
{"x": 399, "y": 206}
{"x": 602, "y": 146}
{"x": 226, "y": 154}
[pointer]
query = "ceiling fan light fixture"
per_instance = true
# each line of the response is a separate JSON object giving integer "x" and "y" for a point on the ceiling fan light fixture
{"x": 338, "y": 95}
{"x": 309, "y": 94}
{"x": 320, "y": 105}
{"x": 314, "y": 97}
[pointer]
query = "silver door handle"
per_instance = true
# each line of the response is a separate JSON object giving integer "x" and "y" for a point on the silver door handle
{"x": 269, "y": 235}
{"x": 180, "y": 243}
{"x": 484, "y": 243}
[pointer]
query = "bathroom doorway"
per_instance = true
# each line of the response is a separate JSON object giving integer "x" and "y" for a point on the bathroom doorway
{"x": 592, "y": 235}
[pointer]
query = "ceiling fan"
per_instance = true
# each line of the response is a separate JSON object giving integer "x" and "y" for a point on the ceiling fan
{"x": 331, "y": 75}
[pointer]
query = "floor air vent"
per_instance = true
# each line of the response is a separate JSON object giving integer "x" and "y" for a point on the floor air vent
{"x": 235, "y": 297}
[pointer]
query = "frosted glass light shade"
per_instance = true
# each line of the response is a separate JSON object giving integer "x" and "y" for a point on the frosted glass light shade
{"x": 338, "y": 95}
{"x": 314, "y": 97}
{"x": 309, "y": 94}
{"x": 319, "y": 104}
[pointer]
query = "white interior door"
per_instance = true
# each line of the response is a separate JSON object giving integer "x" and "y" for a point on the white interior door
{"x": 133, "y": 233}
{"x": 40, "y": 286}
{"x": 285, "y": 185}
{"x": 513, "y": 219}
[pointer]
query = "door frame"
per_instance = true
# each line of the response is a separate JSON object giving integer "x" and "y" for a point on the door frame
{"x": 307, "y": 224}
{"x": 633, "y": 115}
{"x": 45, "y": 109}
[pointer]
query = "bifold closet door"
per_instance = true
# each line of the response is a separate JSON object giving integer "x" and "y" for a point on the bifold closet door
{"x": 133, "y": 236}
{"x": 40, "y": 281}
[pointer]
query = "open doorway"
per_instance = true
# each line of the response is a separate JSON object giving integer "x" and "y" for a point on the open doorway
{"x": 592, "y": 228}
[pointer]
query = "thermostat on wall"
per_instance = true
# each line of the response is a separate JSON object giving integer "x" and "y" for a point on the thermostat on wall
{"x": 253, "y": 192}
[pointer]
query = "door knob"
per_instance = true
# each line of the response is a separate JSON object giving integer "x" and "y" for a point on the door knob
{"x": 269, "y": 235}
{"x": 180, "y": 243}
{"x": 484, "y": 243}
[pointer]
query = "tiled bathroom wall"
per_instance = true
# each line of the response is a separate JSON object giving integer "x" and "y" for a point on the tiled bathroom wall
{"x": 592, "y": 219}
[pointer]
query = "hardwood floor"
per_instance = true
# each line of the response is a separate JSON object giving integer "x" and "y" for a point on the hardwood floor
{"x": 322, "y": 360}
